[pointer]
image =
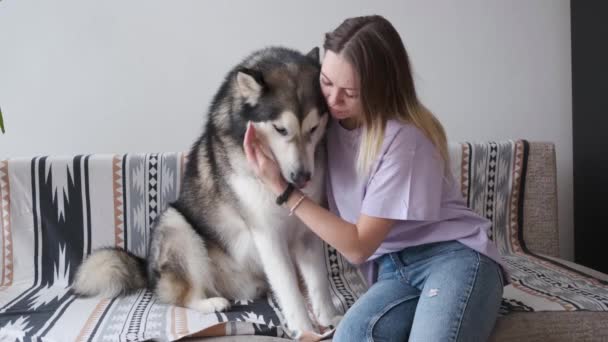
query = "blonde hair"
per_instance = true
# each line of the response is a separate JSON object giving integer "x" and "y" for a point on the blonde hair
{"x": 374, "y": 49}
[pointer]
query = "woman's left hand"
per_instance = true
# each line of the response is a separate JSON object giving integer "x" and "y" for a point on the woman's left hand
{"x": 262, "y": 161}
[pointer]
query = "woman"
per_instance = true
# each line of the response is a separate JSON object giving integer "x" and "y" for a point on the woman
{"x": 393, "y": 205}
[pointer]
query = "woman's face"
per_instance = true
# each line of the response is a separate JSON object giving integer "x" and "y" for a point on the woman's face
{"x": 340, "y": 86}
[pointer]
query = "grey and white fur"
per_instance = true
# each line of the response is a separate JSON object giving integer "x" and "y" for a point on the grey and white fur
{"x": 225, "y": 237}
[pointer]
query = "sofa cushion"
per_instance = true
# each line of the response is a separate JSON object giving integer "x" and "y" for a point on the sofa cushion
{"x": 493, "y": 178}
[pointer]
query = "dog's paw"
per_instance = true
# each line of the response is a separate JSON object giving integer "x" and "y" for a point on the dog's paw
{"x": 298, "y": 326}
{"x": 336, "y": 320}
{"x": 328, "y": 317}
{"x": 219, "y": 304}
{"x": 330, "y": 322}
{"x": 209, "y": 305}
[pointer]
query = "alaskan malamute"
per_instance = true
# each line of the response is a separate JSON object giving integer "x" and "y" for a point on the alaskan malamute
{"x": 225, "y": 237}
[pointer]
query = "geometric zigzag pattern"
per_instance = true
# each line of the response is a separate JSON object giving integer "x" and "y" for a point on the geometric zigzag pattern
{"x": 6, "y": 244}
{"x": 118, "y": 195}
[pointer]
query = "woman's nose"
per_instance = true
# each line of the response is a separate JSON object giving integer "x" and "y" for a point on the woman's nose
{"x": 333, "y": 98}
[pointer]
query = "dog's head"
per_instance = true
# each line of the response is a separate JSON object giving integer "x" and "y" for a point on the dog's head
{"x": 282, "y": 97}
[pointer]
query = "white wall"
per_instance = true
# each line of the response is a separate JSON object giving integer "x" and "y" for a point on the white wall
{"x": 118, "y": 76}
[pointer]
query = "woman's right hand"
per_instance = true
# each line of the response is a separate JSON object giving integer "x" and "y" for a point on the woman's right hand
{"x": 262, "y": 162}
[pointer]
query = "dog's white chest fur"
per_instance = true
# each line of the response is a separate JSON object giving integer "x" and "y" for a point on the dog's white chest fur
{"x": 258, "y": 206}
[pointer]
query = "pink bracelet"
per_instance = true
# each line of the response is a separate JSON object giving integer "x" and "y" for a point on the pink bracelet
{"x": 296, "y": 205}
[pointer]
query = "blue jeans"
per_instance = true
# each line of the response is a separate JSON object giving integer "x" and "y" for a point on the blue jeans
{"x": 442, "y": 291}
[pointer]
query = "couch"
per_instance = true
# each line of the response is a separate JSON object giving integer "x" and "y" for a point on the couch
{"x": 55, "y": 209}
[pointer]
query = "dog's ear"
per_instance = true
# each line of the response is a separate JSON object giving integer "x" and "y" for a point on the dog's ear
{"x": 314, "y": 54}
{"x": 250, "y": 84}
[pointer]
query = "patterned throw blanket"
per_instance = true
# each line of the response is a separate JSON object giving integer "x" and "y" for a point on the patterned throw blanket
{"x": 56, "y": 210}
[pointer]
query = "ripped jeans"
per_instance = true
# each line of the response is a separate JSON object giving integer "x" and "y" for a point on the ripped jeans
{"x": 442, "y": 291}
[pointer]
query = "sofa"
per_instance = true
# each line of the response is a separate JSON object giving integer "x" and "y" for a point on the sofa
{"x": 54, "y": 210}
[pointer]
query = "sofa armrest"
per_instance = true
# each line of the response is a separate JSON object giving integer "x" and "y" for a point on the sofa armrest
{"x": 540, "y": 223}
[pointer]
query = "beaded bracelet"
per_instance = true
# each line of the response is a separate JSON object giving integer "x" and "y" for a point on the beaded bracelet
{"x": 291, "y": 211}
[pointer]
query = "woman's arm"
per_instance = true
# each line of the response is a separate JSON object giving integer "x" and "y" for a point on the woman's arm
{"x": 355, "y": 241}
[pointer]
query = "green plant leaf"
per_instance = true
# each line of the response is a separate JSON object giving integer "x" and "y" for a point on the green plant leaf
{"x": 1, "y": 122}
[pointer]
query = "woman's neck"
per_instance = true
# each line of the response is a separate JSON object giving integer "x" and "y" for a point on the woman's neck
{"x": 350, "y": 123}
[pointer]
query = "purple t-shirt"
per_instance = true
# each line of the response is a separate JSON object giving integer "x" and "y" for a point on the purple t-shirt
{"x": 406, "y": 183}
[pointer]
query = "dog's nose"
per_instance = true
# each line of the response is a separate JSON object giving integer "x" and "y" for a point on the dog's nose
{"x": 300, "y": 178}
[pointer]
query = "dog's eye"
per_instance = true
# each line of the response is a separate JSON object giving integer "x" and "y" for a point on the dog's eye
{"x": 281, "y": 131}
{"x": 312, "y": 130}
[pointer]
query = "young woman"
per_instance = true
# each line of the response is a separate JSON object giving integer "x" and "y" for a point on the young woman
{"x": 393, "y": 205}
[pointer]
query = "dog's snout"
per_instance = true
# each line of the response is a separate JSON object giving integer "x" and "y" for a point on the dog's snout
{"x": 300, "y": 178}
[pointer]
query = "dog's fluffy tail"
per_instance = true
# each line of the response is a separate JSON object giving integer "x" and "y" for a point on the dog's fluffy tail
{"x": 110, "y": 272}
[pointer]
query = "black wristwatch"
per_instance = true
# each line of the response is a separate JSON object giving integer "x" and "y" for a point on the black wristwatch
{"x": 285, "y": 195}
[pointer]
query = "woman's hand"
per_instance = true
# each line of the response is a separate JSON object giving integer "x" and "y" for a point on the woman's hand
{"x": 262, "y": 162}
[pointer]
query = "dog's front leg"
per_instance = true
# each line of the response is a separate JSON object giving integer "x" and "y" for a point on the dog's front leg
{"x": 282, "y": 277}
{"x": 309, "y": 254}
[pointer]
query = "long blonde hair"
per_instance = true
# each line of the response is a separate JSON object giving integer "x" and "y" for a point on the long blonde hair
{"x": 375, "y": 50}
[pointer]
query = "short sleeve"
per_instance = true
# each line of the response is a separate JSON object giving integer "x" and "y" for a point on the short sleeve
{"x": 407, "y": 182}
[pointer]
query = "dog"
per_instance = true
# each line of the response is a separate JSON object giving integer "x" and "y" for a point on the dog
{"x": 225, "y": 238}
